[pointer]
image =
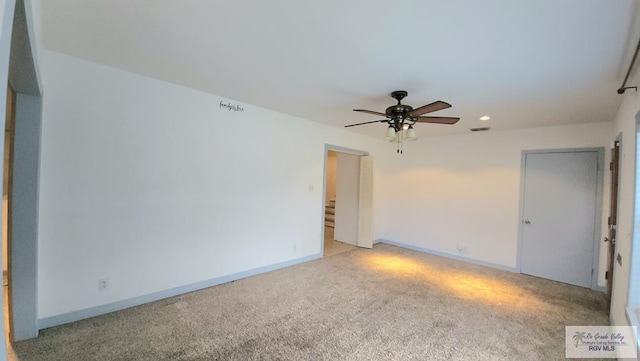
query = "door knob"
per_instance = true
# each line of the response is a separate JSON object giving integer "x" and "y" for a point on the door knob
{"x": 526, "y": 221}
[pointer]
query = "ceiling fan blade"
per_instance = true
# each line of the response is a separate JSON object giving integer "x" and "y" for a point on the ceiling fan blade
{"x": 370, "y": 112}
{"x": 375, "y": 121}
{"x": 437, "y": 120}
{"x": 435, "y": 106}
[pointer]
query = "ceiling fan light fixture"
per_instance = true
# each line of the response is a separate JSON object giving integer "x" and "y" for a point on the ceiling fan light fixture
{"x": 401, "y": 118}
{"x": 391, "y": 134}
{"x": 411, "y": 134}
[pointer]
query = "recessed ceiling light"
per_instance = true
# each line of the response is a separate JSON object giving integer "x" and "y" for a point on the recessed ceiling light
{"x": 485, "y": 117}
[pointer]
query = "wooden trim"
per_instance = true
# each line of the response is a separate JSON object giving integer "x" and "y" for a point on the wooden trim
{"x": 613, "y": 219}
{"x": 10, "y": 122}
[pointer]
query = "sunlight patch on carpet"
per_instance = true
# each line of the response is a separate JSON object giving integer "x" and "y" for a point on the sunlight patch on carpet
{"x": 468, "y": 286}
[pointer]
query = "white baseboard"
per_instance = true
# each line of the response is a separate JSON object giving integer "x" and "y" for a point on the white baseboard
{"x": 447, "y": 255}
{"x": 156, "y": 296}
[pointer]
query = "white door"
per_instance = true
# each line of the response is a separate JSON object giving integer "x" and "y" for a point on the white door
{"x": 365, "y": 203}
{"x": 347, "y": 198}
{"x": 559, "y": 211}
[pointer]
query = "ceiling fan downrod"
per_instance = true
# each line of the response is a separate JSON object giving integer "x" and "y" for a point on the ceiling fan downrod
{"x": 399, "y": 95}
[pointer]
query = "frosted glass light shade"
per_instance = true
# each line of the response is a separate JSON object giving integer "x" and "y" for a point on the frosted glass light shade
{"x": 411, "y": 134}
{"x": 391, "y": 134}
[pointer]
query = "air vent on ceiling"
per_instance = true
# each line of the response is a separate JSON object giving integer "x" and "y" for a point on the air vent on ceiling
{"x": 482, "y": 129}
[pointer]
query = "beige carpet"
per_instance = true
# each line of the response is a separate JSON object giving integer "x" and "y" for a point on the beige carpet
{"x": 382, "y": 304}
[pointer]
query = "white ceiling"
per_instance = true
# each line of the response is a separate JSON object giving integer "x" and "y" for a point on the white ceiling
{"x": 524, "y": 63}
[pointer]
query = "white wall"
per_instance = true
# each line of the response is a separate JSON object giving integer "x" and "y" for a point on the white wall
{"x": 347, "y": 198}
{"x": 332, "y": 164}
{"x": 464, "y": 190}
{"x": 625, "y": 124}
{"x": 155, "y": 186}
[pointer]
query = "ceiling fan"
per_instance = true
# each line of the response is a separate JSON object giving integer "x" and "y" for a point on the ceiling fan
{"x": 402, "y": 117}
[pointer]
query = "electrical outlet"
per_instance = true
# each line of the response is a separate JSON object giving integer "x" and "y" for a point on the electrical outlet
{"x": 103, "y": 284}
{"x": 462, "y": 249}
{"x": 295, "y": 247}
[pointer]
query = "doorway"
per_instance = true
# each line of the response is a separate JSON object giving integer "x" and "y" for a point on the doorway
{"x": 561, "y": 198}
{"x": 347, "y": 200}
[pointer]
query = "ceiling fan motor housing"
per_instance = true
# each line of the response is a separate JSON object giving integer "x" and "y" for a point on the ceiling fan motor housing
{"x": 399, "y": 111}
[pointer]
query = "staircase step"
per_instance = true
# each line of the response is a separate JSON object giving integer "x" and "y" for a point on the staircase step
{"x": 331, "y": 224}
{"x": 329, "y": 217}
{"x": 329, "y": 211}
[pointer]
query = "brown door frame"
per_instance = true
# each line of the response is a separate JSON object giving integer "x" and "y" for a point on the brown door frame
{"x": 614, "y": 168}
{"x": 10, "y": 121}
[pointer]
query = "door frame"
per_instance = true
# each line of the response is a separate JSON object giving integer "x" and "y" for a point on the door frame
{"x": 24, "y": 75}
{"x": 609, "y": 280}
{"x": 595, "y": 262}
{"x": 335, "y": 148}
